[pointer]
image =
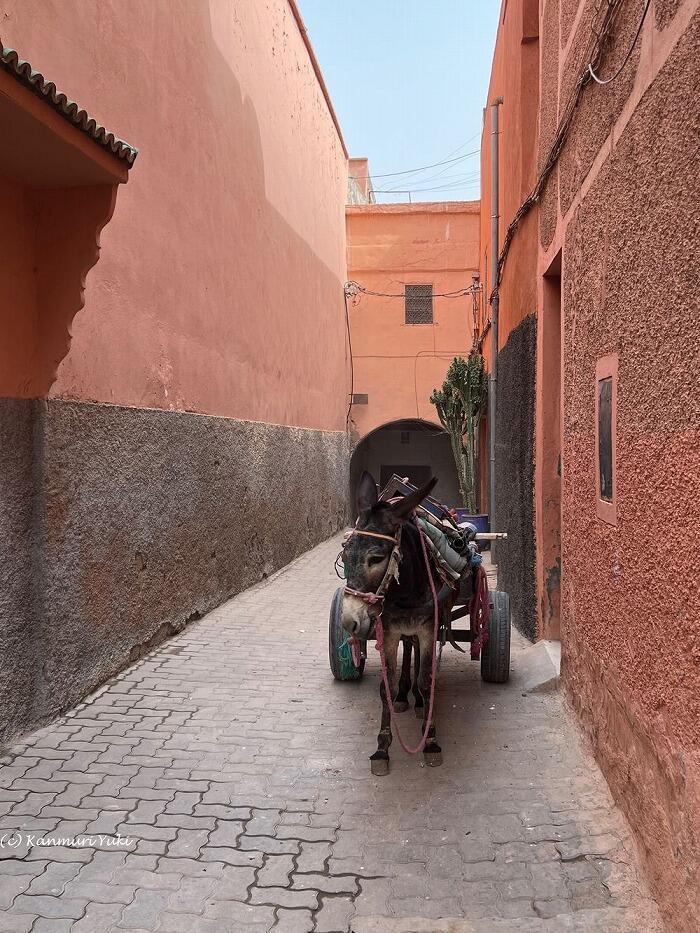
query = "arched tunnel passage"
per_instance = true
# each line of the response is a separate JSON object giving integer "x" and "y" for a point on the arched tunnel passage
{"x": 409, "y": 447}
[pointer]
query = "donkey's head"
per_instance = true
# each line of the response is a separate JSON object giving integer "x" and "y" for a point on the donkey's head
{"x": 366, "y": 557}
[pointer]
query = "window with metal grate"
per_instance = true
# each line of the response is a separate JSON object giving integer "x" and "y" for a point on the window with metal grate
{"x": 419, "y": 304}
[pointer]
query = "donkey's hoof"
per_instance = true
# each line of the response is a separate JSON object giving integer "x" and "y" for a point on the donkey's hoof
{"x": 379, "y": 765}
{"x": 419, "y": 711}
{"x": 401, "y": 706}
{"x": 432, "y": 759}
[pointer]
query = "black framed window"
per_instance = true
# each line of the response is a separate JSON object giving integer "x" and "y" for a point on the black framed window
{"x": 419, "y": 304}
{"x": 605, "y": 442}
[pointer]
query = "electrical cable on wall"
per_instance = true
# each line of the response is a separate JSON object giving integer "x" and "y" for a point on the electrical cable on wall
{"x": 595, "y": 52}
{"x": 627, "y": 56}
{"x": 354, "y": 289}
{"x": 352, "y": 365}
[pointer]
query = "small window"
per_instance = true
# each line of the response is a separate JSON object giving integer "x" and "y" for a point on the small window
{"x": 405, "y": 437}
{"x": 419, "y": 304}
{"x": 605, "y": 464}
{"x": 605, "y": 437}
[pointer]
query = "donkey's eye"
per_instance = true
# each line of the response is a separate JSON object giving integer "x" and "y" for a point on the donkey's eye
{"x": 375, "y": 559}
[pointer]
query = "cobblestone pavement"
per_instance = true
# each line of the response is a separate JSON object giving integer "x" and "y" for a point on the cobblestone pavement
{"x": 238, "y": 770}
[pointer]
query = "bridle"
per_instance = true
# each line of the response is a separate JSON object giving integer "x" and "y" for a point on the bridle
{"x": 392, "y": 570}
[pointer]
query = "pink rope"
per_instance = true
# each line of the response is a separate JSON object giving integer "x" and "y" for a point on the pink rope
{"x": 379, "y": 632}
{"x": 370, "y": 598}
{"x": 355, "y": 650}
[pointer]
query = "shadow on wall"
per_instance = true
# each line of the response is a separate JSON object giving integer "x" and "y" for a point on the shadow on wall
{"x": 235, "y": 252}
{"x": 50, "y": 239}
{"x": 515, "y": 472}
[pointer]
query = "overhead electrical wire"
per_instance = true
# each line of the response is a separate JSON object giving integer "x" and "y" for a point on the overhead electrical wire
{"x": 447, "y": 179}
{"x": 422, "y": 168}
{"x": 454, "y": 186}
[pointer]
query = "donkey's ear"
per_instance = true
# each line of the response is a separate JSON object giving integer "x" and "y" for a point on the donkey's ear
{"x": 366, "y": 492}
{"x": 405, "y": 506}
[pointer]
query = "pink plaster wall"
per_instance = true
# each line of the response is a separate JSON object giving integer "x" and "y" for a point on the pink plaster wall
{"x": 398, "y": 364}
{"x": 624, "y": 212}
{"x": 219, "y": 288}
{"x": 358, "y": 168}
{"x": 514, "y": 77}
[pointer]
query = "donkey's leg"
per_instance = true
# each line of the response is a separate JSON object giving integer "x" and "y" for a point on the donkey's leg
{"x": 417, "y": 695}
{"x": 432, "y": 753}
{"x": 401, "y": 702}
{"x": 379, "y": 761}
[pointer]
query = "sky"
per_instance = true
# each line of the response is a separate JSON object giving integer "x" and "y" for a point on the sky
{"x": 408, "y": 81}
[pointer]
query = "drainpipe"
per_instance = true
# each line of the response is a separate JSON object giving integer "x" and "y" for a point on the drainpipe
{"x": 493, "y": 375}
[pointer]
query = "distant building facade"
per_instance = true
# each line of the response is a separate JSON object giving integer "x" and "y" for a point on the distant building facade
{"x": 406, "y": 333}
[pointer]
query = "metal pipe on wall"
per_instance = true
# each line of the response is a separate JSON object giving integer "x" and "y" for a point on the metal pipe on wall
{"x": 493, "y": 375}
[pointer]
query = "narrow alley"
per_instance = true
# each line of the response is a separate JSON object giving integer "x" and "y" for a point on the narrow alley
{"x": 417, "y": 277}
{"x": 236, "y": 771}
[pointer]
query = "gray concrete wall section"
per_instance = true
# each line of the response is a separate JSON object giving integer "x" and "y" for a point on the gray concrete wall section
{"x": 147, "y": 519}
{"x": 19, "y": 659}
{"x": 515, "y": 466}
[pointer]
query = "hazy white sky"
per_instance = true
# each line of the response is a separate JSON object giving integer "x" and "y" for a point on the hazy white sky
{"x": 408, "y": 80}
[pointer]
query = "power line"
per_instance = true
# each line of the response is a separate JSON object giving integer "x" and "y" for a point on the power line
{"x": 454, "y": 186}
{"x": 449, "y": 182}
{"x": 441, "y": 174}
{"x": 471, "y": 139}
{"x": 422, "y": 168}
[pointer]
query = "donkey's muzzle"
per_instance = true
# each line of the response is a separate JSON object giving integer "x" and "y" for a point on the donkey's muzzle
{"x": 357, "y": 620}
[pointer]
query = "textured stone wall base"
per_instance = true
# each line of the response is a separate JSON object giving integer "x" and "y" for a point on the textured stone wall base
{"x": 120, "y": 525}
{"x": 515, "y": 472}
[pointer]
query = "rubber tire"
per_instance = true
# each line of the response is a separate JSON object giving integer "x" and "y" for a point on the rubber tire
{"x": 495, "y": 655}
{"x": 336, "y": 637}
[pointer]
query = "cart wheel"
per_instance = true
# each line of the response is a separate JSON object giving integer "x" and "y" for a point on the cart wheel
{"x": 495, "y": 654}
{"x": 342, "y": 670}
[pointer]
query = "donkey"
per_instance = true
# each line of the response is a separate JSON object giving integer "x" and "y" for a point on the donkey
{"x": 407, "y": 611}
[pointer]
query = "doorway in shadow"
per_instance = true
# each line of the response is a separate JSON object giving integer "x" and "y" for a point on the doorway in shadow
{"x": 412, "y": 448}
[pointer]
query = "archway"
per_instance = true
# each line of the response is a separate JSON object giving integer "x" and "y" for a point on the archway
{"x": 410, "y": 447}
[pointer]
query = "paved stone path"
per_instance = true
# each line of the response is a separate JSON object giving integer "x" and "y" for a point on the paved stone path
{"x": 238, "y": 771}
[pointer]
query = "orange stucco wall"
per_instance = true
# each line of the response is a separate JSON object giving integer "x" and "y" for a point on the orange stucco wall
{"x": 514, "y": 78}
{"x": 513, "y": 81}
{"x": 219, "y": 288}
{"x": 397, "y": 364}
{"x": 609, "y": 272}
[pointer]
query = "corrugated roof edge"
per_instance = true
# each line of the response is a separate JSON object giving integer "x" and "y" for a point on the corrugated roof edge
{"x": 33, "y": 80}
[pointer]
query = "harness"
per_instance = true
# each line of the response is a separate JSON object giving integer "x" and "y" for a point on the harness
{"x": 392, "y": 573}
